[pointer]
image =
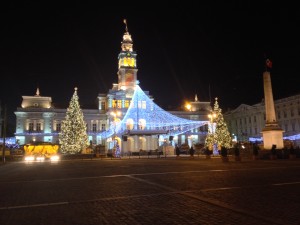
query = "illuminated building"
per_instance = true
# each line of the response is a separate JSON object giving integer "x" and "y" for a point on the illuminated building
{"x": 246, "y": 122}
{"x": 38, "y": 120}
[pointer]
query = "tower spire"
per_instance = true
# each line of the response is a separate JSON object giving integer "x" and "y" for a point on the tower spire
{"x": 127, "y": 43}
{"x": 37, "y": 92}
{"x": 126, "y": 28}
{"x": 127, "y": 62}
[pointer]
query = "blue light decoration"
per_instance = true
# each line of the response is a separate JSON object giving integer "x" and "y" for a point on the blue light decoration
{"x": 292, "y": 138}
{"x": 8, "y": 140}
{"x": 32, "y": 133}
{"x": 145, "y": 117}
{"x": 253, "y": 139}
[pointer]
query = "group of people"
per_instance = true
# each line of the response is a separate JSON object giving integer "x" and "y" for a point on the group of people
{"x": 191, "y": 151}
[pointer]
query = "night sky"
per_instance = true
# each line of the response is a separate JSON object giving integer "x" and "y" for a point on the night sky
{"x": 209, "y": 49}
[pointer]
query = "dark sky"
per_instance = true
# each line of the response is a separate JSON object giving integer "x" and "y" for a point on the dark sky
{"x": 209, "y": 49}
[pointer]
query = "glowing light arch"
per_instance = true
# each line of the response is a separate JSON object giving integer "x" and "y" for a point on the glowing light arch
{"x": 144, "y": 113}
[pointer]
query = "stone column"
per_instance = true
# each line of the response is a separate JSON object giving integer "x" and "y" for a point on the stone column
{"x": 269, "y": 102}
{"x": 272, "y": 133}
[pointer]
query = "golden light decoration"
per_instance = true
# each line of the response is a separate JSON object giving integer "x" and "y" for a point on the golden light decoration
{"x": 212, "y": 116}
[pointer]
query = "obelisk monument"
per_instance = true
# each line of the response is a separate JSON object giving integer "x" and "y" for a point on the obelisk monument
{"x": 272, "y": 133}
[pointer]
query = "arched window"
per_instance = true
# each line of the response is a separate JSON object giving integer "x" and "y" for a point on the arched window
{"x": 142, "y": 124}
{"x": 129, "y": 124}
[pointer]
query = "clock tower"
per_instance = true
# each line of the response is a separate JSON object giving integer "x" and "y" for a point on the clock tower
{"x": 127, "y": 64}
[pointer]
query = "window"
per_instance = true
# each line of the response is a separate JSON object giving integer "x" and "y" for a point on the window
{"x": 114, "y": 103}
{"x": 58, "y": 127}
{"x": 126, "y": 103}
{"x": 143, "y": 104}
{"x": 254, "y": 119}
{"x": 278, "y": 115}
{"x": 249, "y": 119}
{"x": 255, "y": 130}
{"x": 292, "y": 112}
{"x": 38, "y": 127}
{"x": 119, "y": 104}
{"x": 142, "y": 124}
{"x": 102, "y": 126}
{"x": 286, "y": 127}
{"x": 102, "y": 105}
{"x": 30, "y": 126}
{"x": 129, "y": 124}
{"x": 94, "y": 127}
{"x": 293, "y": 126}
{"x": 284, "y": 114}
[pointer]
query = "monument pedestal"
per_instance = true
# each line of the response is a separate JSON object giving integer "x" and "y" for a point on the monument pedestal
{"x": 273, "y": 136}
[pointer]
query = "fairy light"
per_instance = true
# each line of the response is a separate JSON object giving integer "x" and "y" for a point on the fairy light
{"x": 148, "y": 116}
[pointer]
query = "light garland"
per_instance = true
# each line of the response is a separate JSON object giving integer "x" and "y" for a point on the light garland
{"x": 73, "y": 136}
{"x": 9, "y": 140}
{"x": 144, "y": 115}
{"x": 218, "y": 134}
{"x": 292, "y": 138}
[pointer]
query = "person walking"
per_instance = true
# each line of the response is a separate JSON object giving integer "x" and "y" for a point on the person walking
{"x": 237, "y": 152}
{"x": 192, "y": 152}
{"x": 177, "y": 151}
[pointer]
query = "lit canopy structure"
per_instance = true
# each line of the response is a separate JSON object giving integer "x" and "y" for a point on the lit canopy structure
{"x": 144, "y": 117}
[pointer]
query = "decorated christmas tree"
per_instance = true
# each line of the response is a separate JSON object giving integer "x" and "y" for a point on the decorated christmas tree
{"x": 73, "y": 137}
{"x": 222, "y": 134}
{"x": 210, "y": 138}
{"x": 218, "y": 133}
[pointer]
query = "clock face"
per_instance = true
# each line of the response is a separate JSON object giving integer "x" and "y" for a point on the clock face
{"x": 129, "y": 61}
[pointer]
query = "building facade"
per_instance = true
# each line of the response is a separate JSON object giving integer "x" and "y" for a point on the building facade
{"x": 247, "y": 122}
{"x": 38, "y": 120}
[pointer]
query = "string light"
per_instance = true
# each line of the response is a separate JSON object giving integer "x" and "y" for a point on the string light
{"x": 144, "y": 114}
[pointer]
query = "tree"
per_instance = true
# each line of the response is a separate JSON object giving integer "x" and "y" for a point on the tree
{"x": 210, "y": 138}
{"x": 222, "y": 135}
{"x": 73, "y": 137}
{"x": 218, "y": 133}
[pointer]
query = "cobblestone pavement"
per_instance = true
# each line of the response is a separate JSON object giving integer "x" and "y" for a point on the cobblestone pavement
{"x": 151, "y": 191}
